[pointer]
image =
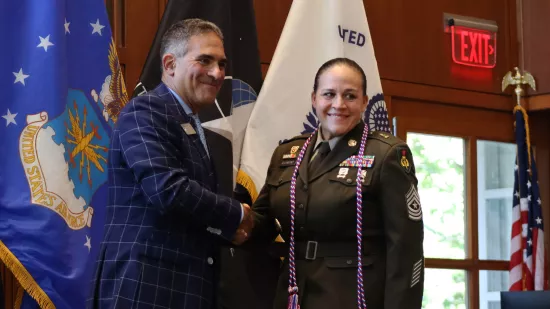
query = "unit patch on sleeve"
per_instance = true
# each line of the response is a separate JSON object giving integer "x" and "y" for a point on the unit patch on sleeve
{"x": 404, "y": 158}
{"x": 413, "y": 204}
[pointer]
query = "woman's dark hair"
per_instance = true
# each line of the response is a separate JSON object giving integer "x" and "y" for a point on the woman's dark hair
{"x": 340, "y": 61}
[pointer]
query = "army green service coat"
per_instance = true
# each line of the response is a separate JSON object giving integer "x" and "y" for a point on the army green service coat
{"x": 393, "y": 261}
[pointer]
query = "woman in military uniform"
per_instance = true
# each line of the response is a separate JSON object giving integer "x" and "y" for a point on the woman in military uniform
{"x": 339, "y": 193}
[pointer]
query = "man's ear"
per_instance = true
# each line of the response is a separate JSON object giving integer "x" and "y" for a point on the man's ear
{"x": 169, "y": 64}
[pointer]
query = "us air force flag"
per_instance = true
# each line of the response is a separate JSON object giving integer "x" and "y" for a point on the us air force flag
{"x": 313, "y": 33}
{"x": 62, "y": 90}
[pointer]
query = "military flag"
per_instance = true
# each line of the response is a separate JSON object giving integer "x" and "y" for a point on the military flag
{"x": 63, "y": 91}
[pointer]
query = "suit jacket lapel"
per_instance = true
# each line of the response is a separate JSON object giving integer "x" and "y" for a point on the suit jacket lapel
{"x": 343, "y": 150}
{"x": 182, "y": 117}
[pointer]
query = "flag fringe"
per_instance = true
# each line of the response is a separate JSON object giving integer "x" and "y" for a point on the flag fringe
{"x": 24, "y": 278}
{"x": 244, "y": 180}
{"x": 528, "y": 135}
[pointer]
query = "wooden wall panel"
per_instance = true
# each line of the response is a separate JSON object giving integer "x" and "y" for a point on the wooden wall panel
{"x": 270, "y": 19}
{"x": 457, "y": 120}
{"x": 11, "y": 287}
{"x": 410, "y": 43}
{"x": 536, "y": 46}
{"x": 411, "y": 46}
{"x": 134, "y": 27}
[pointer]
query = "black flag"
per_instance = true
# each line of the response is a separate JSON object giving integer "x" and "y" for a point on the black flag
{"x": 248, "y": 278}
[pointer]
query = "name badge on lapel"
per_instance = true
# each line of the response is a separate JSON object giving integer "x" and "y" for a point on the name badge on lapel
{"x": 188, "y": 128}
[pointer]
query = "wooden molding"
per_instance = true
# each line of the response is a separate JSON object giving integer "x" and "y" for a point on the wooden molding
{"x": 468, "y": 264}
{"x": 538, "y": 103}
{"x": 450, "y": 96}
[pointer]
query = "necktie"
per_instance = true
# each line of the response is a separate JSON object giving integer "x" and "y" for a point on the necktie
{"x": 322, "y": 151}
{"x": 200, "y": 131}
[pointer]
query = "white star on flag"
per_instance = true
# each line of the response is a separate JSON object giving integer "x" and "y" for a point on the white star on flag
{"x": 516, "y": 167}
{"x": 516, "y": 194}
{"x": 97, "y": 27}
{"x": 45, "y": 42}
{"x": 539, "y": 201}
{"x": 530, "y": 242}
{"x": 66, "y": 24}
{"x": 20, "y": 77}
{"x": 529, "y": 198}
{"x": 10, "y": 118}
{"x": 528, "y": 184}
{"x": 539, "y": 220}
{"x": 88, "y": 243}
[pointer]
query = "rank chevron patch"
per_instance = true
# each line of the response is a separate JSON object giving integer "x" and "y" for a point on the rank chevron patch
{"x": 413, "y": 204}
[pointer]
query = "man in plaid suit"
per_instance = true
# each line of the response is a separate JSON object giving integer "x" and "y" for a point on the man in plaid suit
{"x": 165, "y": 222}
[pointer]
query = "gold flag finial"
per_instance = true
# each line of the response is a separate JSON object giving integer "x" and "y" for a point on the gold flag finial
{"x": 518, "y": 80}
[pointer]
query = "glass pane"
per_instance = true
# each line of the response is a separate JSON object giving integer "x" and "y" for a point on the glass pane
{"x": 495, "y": 175}
{"x": 490, "y": 284}
{"x": 439, "y": 162}
{"x": 444, "y": 289}
{"x": 496, "y": 162}
{"x": 495, "y": 224}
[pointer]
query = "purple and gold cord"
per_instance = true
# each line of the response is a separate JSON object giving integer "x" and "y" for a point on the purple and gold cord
{"x": 293, "y": 286}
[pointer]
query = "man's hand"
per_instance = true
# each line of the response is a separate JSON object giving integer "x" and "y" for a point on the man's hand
{"x": 244, "y": 230}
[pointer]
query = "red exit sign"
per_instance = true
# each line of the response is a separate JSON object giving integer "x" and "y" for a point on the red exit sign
{"x": 474, "y": 47}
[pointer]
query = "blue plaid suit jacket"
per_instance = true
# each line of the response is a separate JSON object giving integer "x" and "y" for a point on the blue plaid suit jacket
{"x": 164, "y": 223}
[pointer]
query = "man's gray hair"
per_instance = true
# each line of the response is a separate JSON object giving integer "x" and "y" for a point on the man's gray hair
{"x": 174, "y": 41}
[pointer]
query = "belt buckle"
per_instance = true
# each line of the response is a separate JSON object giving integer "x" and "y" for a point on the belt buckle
{"x": 308, "y": 250}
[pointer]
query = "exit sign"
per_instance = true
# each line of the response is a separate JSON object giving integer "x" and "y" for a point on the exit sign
{"x": 474, "y": 47}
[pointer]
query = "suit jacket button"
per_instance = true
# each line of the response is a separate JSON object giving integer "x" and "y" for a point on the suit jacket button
{"x": 301, "y": 206}
{"x": 349, "y": 180}
{"x": 210, "y": 261}
{"x": 305, "y": 187}
{"x": 349, "y": 262}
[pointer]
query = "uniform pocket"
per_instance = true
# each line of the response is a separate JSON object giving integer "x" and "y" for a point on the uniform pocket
{"x": 348, "y": 262}
{"x": 347, "y": 176}
{"x": 282, "y": 178}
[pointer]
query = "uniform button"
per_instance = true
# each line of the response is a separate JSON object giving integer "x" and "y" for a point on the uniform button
{"x": 349, "y": 180}
{"x": 210, "y": 261}
{"x": 301, "y": 206}
{"x": 349, "y": 262}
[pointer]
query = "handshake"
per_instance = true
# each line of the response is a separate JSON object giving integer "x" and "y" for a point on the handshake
{"x": 245, "y": 229}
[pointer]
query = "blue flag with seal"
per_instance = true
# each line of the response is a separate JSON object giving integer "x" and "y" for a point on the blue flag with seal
{"x": 62, "y": 90}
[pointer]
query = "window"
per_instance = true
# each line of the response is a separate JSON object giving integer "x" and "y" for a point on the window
{"x": 439, "y": 163}
{"x": 495, "y": 187}
{"x": 465, "y": 174}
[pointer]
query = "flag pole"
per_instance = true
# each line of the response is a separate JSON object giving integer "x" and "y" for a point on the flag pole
{"x": 518, "y": 80}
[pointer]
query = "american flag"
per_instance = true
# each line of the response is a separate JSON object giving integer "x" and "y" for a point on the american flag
{"x": 528, "y": 258}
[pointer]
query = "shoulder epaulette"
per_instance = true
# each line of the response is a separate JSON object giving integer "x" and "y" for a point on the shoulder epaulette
{"x": 298, "y": 137}
{"x": 385, "y": 137}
